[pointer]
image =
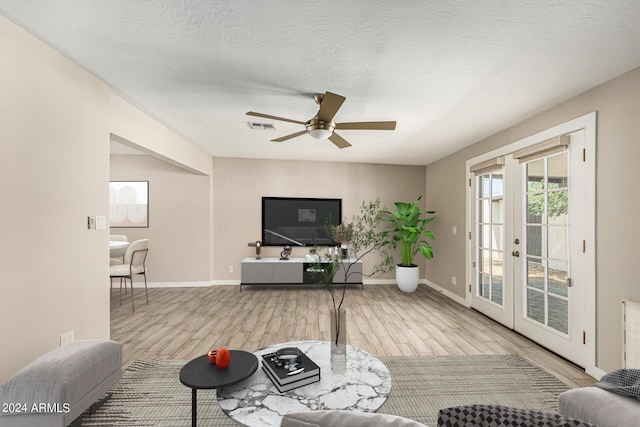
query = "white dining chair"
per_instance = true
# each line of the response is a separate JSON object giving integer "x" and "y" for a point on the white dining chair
{"x": 116, "y": 255}
{"x": 134, "y": 264}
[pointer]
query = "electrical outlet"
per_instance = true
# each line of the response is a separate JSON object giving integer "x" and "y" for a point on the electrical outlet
{"x": 91, "y": 222}
{"x": 454, "y": 230}
{"x": 66, "y": 338}
{"x": 230, "y": 269}
{"x": 453, "y": 280}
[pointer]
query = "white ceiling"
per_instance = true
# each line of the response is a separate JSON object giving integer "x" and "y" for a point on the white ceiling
{"x": 449, "y": 72}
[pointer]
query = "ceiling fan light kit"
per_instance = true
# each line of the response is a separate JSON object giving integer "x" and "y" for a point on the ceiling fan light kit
{"x": 322, "y": 125}
{"x": 318, "y": 129}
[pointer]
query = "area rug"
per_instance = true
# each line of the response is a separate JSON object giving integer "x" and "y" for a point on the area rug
{"x": 150, "y": 393}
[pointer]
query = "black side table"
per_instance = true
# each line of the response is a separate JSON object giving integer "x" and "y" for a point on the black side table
{"x": 201, "y": 374}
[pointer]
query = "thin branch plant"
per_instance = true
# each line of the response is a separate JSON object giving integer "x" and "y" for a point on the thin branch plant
{"x": 363, "y": 235}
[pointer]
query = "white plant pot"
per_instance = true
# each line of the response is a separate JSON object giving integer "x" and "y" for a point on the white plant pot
{"x": 407, "y": 278}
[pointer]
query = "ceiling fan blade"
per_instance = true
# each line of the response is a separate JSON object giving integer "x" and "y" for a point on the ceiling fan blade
{"x": 331, "y": 103}
{"x": 268, "y": 116}
{"x": 367, "y": 125}
{"x": 339, "y": 141}
{"x": 286, "y": 137}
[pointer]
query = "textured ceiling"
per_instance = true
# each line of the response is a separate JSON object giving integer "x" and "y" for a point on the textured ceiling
{"x": 449, "y": 72}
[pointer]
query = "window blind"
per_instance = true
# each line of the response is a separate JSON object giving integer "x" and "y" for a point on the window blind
{"x": 487, "y": 166}
{"x": 544, "y": 148}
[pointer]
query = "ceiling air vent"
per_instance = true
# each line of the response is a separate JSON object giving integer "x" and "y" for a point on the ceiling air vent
{"x": 261, "y": 126}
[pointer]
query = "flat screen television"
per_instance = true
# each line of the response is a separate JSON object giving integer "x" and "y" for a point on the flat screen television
{"x": 299, "y": 221}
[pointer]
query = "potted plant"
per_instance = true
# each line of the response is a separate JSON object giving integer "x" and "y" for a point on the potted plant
{"x": 360, "y": 237}
{"x": 409, "y": 234}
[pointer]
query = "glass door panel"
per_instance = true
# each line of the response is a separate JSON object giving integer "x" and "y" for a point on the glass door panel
{"x": 535, "y": 305}
{"x": 490, "y": 236}
{"x": 558, "y": 278}
{"x": 546, "y": 242}
{"x": 535, "y": 274}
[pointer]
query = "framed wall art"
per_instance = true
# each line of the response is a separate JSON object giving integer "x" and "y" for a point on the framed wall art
{"x": 129, "y": 204}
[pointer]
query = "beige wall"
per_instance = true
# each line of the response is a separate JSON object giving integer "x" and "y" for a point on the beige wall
{"x": 131, "y": 126}
{"x": 618, "y": 201}
{"x": 54, "y": 169}
{"x": 239, "y": 184}
{"x": 56, "y": 121}
{"x": 179, "y": 219}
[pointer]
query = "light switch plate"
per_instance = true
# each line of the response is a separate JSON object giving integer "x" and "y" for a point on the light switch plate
{"x": 101, "y": 222}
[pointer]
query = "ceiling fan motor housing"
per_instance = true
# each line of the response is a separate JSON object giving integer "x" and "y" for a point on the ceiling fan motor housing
{"x": 319, "y": 129}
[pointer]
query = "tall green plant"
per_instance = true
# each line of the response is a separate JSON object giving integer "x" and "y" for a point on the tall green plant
{"x": 409, "y": 231}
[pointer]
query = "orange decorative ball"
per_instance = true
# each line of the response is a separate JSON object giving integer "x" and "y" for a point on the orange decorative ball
{"x": 223, "y": 358}
{"x": 212, "y": 356}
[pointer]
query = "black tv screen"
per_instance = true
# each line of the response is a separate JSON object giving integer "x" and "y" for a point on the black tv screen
{"x": 299, "y": 221}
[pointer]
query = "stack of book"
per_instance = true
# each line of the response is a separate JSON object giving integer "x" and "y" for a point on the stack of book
{"x": 304, "y": 372}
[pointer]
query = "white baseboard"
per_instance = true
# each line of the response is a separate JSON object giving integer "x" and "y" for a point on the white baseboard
{"x": 449, "y": 294}
{"x": 137, "y": 284}
{"x": 379, "y": 281}
{"x": 595, "y": 372}
{"x": 225, "y": 282}
{"x": 235, "y": 282}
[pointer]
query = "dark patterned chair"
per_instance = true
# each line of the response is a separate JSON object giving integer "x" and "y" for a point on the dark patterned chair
{"x": 499, "y": 416}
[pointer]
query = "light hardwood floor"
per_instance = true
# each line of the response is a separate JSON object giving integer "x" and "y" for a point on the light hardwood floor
{"x": 182, "y": 323}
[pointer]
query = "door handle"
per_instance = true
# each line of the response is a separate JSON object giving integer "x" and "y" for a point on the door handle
{"x": 515, "y": 254}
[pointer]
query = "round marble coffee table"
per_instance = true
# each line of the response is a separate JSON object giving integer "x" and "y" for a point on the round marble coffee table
{"x": 364, "y": 386}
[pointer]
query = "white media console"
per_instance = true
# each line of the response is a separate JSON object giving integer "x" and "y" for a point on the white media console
{"x": 274, "y": 271}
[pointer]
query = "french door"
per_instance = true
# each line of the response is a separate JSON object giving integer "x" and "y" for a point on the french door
{"x": 493, "y": 290}
{"x": 528, "y": 265}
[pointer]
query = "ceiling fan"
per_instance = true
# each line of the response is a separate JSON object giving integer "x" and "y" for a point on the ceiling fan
{"x": 322, "y": 126}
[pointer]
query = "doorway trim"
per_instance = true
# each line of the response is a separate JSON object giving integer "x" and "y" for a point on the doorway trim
{"x": 588, "y": 123}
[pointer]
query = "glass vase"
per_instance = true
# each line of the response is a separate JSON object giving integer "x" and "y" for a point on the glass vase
{"x": 339, "y": 341}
